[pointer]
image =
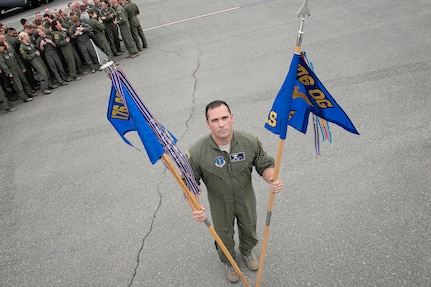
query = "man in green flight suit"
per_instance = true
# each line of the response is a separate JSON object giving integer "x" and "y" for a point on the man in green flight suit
{"x": 30, "y": 53}
{"x": 62, "y": 40}
{"x": 107, "y": 14}
{"x": 135, "y": 26}
{"x": 99, "y": 33}
{"x": 123, "y": 22}
{"x": 224, "y": 161}
{"x": 13, "y": 68}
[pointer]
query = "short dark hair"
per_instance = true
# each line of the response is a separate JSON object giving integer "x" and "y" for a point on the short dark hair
{"x": 22, "y": 21}
{"x": 216, "y": 104}
{"x": 53, "y": 25}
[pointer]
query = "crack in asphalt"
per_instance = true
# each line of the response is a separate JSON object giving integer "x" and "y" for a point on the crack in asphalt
{"x": 139, "y": 254}
{"x": 138, "y": 257}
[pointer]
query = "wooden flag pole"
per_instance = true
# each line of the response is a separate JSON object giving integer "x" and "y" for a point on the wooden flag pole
{"x": 195, "y": 206}
{"x": 269, "y": 213}
{"x": 303, "y": 12}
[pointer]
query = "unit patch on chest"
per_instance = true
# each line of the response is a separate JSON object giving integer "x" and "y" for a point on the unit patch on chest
{"x": 220, "y": 162}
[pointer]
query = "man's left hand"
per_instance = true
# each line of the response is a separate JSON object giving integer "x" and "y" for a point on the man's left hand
{"x": 276, "y": 186}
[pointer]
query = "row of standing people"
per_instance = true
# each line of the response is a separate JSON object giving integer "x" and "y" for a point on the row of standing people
{"x": 39, "y": 46}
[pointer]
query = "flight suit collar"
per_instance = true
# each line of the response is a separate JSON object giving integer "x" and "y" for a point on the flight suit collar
{"x": 214, "y": 145}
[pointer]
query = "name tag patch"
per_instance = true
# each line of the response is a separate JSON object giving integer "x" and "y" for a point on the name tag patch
{"x": 239, "y": 156}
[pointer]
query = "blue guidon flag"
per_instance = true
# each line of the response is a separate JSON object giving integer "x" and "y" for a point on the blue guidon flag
{"x": 302, "y": 93}
{"x": 126, "y": 117}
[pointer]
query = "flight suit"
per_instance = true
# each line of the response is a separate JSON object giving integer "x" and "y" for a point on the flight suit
{"x": 100, "y": 38}
{"x": 228, "y": 179}
{"x": 135, "y": 26}
{"x": 123, "y": 23}
{"x": 15, "y": 43}
{"x": 12, "y": 65}
{"x": 52, "y": 58}
{"x": 69, "y": 53}
{"x": 111, "y": 30}
{"x": 84, "y": 43}
{"x": 28, "y": 52}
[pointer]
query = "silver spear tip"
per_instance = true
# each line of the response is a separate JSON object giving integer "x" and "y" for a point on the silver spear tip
{"x": 304, "y": 11}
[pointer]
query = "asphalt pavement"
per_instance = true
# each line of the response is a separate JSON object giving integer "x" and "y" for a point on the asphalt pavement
{"x": 79, "y": 207}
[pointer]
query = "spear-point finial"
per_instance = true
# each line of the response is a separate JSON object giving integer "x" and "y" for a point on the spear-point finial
{"x": 303, "y": 13}
{"x": 103, "y": 59}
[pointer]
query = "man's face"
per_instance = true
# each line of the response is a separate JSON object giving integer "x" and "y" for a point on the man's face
{"x": 220, "y": 123}
{"x": 12, "y": 33}
{"x": 29, "y": 30}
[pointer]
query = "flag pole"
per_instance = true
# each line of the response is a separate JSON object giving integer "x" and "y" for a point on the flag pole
{"x": 195, "y": 206}
{"x": 303, "y": 12}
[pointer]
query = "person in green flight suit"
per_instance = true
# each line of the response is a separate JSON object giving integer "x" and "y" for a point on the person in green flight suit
{"x": 69, "y": 53}
{"x": 123, "y": 23}
{"x": 12, "y": 40}
{"x": 81, "y": 32}
{"x": 135, "y": 26}
{"x": 29, "y": 52}
{"x": 224, "y": 161}
{"x": 107, "y": 14}
{"x": 99, "y": 33}
{"x": 50, "y": 52}
{"x": 12, "y": 66}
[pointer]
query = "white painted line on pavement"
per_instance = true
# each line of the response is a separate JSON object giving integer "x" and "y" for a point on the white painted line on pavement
{"x": 191, "y": 18}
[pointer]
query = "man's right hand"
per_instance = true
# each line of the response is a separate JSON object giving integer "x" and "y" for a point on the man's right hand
{"x": 199, "y": 215}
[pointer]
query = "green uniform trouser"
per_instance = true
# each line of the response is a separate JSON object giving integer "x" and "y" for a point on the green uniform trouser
{"x": 111, "y": 33}
{"x": 3, "y": 99}
{"x": 72, "y": 59}
{"x": 224, "y": 211}
{"x": 41, "y": 68}
{"x": 103, "y": 44}
{"x": 128, "y": 39}
{"x": 55, "y": 65}
{"x": 20, "y": 84}
{"x": 88, "y": 53}
{"x": 137, "y": 33}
